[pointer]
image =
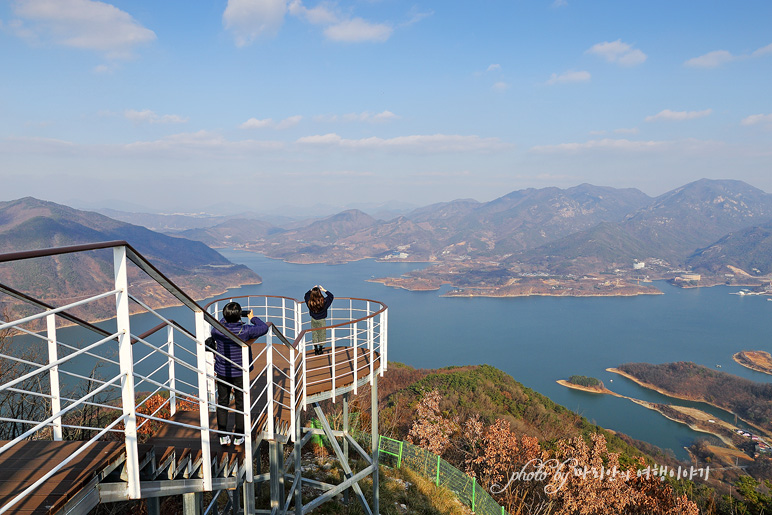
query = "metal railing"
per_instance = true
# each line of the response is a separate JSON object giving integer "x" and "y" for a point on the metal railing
{"x": 178, "y": 368}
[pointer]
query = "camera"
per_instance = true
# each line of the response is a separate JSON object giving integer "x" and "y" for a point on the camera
{"x": 244, "y": 312}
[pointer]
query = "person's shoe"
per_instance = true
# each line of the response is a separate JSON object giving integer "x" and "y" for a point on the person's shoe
{"x": 225, "y": 440}
{"x": 239, "y": 440}
{"x": 318, "y": 350}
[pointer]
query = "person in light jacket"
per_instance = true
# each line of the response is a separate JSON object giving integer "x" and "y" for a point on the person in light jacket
{"x": 318, "y": 301}
{"x": 228, "y": 371}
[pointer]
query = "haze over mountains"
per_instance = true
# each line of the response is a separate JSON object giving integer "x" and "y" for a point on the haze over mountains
{"x": 707, "y": 225}
{"x": 575, "y": 230}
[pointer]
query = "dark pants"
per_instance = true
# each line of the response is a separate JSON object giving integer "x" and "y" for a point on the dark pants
{"x": 224, "y": 387}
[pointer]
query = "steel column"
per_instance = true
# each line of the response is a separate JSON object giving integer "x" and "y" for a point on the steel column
{"x": 56, "y": 399}
{"x": 126, "y": 359}
{"x": 374, "y": 440}
{"x": 203, "y": 408}
{"x": 172, "y": 375}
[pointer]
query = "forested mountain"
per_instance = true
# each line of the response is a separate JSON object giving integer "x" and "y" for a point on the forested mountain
{"x": 30, "y": 224}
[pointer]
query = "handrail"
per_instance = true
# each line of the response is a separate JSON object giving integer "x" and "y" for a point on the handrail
{"x": 302, "y": 333}
{"x": 46, "y": 307}
{"x": 284, "y": 317}
{"x": 157, "y": 328}
{"x": 136, "y": 258}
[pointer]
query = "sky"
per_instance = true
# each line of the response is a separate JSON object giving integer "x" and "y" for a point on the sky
{"x": 275, "y": 105}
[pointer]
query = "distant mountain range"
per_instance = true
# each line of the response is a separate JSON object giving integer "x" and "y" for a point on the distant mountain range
{"x": 576, "y": 230}
{"x": 713, "y": 227}
{"x": 29, "y": 224}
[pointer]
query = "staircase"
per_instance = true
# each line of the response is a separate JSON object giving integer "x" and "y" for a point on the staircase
{"x": 86, "y": 435}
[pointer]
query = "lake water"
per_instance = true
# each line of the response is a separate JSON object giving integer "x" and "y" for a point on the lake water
{"x": 539, "y": 340}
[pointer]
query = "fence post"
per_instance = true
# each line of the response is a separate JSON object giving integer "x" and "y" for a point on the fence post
{"x": 474, "y": 484}
{"x": 126, "y": 360}
{"x": 172, "y": 375}
{"x": 203, "y": 408}
{"x": 56, "y": 399}
{"x": 438, "y": 471}
{"x": 269, "y": 383}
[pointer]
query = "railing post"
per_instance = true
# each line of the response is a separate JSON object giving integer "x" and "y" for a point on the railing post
{"x": 332, "y": 358}
{"x": 302, "y": 343}
{"x": 283, "y": 316}
{"x": 370, "y": 343}
{"x": 356, "y": 355}
{"x": 126, "y": 360}
{"x": 203, "y": 408}
{"x": 293, "y": 393}
{"x": 374, "y": 441}
{"x": 384, "y": 338}
{"x": 172, "y": 375}
{"x": 247, "y": 412}
{"x": 269, "y": 402}
{"x": 56, "y": 399}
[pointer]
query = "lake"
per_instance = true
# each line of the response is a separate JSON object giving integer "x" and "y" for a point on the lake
{"x": 539, "y": 340}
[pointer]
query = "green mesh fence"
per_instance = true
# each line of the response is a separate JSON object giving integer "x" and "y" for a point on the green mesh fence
{"x": 398, "y": 454}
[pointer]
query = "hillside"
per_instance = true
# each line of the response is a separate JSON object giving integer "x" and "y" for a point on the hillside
{"x": 675, "y": 225}
{"x": 489, "y": 393}
{"x": 748, "y": 249}
{"x": 29, "y": 224}
{"x": 488, "y": 425}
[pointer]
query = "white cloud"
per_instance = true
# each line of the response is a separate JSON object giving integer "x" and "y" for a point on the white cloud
{"x": 254, "y": 123}
{"x": 436, "y": 143}
{"x": 500, "y": 86}
{"x": 322, "y": 14}
{"x": 148, "y": 116}
{"x": 357, "y": 30}
{"x": 201, "y": 144}
{"x": 678, "y": 116}
{"x": 249, "y": 19}
{"x": 762, "y": 51}
{"x": 618, "y": 52}
{"x": 690, "y": 146}
{"x": 416, "y": 16}
{"x": 559, "y": 3}
{"x": 568, "y": 77}
{"x": 494, "y": 68}
{"x": 717, "y": 58}
{"x": 289, "y": 122}
{"x": 757, "y": 118}
{"x": 364, "y": 116}
{"x": 84, "y": 24}
{"x": 711, "y": 59}
{"x": 602, "y": 144}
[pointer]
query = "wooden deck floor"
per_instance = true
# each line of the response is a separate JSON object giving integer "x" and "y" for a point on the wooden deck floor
{"x": 28, "y": 461}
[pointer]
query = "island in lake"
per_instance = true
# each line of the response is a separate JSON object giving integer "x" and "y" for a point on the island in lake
{"x": 757, "y": 360}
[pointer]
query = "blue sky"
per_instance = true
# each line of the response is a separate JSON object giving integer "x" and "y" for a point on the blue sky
{"x": 258, "y": 104}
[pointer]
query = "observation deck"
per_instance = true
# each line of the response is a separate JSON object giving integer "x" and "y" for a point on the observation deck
{"x": 97, "y": 412}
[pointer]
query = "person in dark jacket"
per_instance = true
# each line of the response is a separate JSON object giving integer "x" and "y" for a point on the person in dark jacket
{"x": 318, "y": 300}
{"x": 228, "y": 371}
